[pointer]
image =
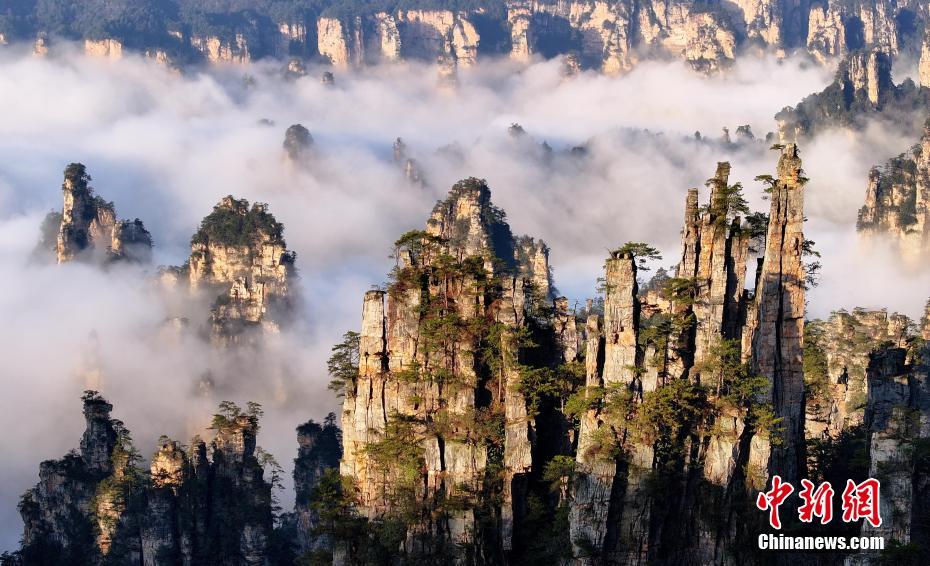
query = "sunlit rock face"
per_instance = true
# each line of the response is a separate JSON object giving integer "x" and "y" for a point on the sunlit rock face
{"x": 897, "y": 202}
{"x": 862, "y": 92}
{"x": 104, "y": 48}
{"x": 87, "y": 228}
{"x": 239, "y": 255}
{"x": 777, "y": 339}
{"x": 611, "y": 37}
{"x": 837, "y": 352}
{"x": 424, "y": 380}
{"x": 674, "y": 338}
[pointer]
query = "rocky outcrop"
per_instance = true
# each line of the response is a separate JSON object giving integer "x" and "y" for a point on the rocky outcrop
{"x": 862, "y": 90}
{"x": 409, "y": 34}
{"x": 715, "y": 250}
{"x": 484, "y": 424}
{"x": 96, "y": 506}
{"x": 778, "y": 317}
{"x": 532, "y": 257}
{"x": 897, "y": 418}
{"x": 923, "y": 70}
{"x": 214, "y": 49}
{"x": 240, "y": 256}
{"x": 836, "y": 353}
{"x": 701, "y": 346}
{"x": 708, "y": 313}
{"x": 104, "y": 48}
{"x": 896, "y": 202}
{"x": 611, "y": 363}
{"x": 88, "y": 228}
{"x": 426, "y": 35}
{"x": 441, "y": 358}
{"x": 611, "y": 36}
{"x": 131, "y": 241}
{"x": 566, "y": 329}
{"x": 411, "y": 168}
{"x": 298, "y": 143}
{"x": 332, "y": 41}
{"x": 319, "y": 451}
{"x": 74, "y": 511}
{"x": 835, "y": 29}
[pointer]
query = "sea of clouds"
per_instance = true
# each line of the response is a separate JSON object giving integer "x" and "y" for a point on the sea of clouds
{"x": 165, "y": 147}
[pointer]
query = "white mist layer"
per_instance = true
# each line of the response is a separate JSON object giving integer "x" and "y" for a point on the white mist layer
{"x": 166, "y": 148}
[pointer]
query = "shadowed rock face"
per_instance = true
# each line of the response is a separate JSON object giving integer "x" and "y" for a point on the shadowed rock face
{"x": 897, "y": 420}
{"x": 97, "y": 507}
{"x": 319, "y": 451}
{"x": 298, "y": 143}
{"x": 837, "y": 354}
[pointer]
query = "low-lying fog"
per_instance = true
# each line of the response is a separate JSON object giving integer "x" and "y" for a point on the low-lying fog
{"x": 166, "y": 147}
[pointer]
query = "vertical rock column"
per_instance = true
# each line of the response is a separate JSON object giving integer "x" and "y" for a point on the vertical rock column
{"x": 161, "y": 531}
{"x": 363, "y": 410}
{"x": 611, "y": 359}
{"x": 714, "y": 252}
{"x": 924, "y": 66}
{"x": 518, "y": 449}
{"x": 319, "y": 451}
{"x": 566, "y": 329}
{"x": 720, "y": 271}
{"x": 621, "y": 360}
{"x": 891, "y": 460}
{"x": 777, "y": 339}
{"x": 241, "y": 499}
{"x": 86, "y": 221}
{"x": 711, "y": 279}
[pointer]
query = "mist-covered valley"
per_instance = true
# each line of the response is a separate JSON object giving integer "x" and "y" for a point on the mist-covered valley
{"x": 595, "y": 162}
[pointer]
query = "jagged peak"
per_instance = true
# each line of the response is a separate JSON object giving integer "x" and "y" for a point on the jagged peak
{"x": 789, "y": 166}
{"x": 95, "y": 405}
{"x": 76, "y": 178}
{"x": 234, "y": 223}
{"x": 691, "y": 206}
{"x": 88, "y": 227}
{"x": 99, "y": 437}
{"x": 169, "y": 463}
{"x": 718, "y": 188}
{"x": 470, "y": 224}
{"x": 298, "y": 142}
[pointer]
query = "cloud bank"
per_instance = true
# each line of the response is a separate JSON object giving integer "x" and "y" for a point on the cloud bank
{"x": 167, "y": 147}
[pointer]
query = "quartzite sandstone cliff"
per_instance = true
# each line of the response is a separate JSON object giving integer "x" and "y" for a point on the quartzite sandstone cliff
{"x": 610, "y": 36}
